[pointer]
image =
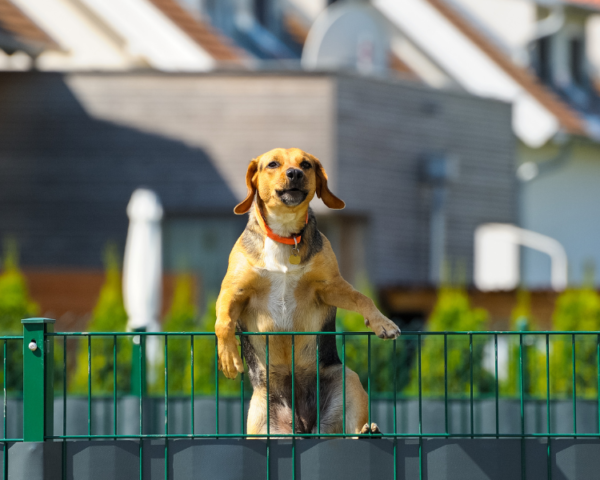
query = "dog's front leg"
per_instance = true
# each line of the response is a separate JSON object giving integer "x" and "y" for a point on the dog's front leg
{"x": 339, "y": 293}
{"x": 229, "y": 307}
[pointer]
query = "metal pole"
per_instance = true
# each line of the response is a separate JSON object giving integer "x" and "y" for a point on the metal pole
{"x": 38, "y": 377}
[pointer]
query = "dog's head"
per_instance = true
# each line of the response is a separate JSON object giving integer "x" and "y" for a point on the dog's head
{"x": 287, "y": 178}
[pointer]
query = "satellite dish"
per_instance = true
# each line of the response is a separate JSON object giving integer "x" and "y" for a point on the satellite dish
{"x": 348, "y": 36}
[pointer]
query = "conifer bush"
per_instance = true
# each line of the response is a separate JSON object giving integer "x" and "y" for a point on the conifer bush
{"x": 533, "y": 351}
{"x": 181, "y": 317}
{"x": 109, "y": 315}
{"x": 453, "y": 312}
{"x": 576, "y": 309}
{"x": 382, "y": 366}
{"x": 15, "y": 305}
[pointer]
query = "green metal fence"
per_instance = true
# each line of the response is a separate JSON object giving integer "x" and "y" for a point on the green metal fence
{"x": 38, "y": 392}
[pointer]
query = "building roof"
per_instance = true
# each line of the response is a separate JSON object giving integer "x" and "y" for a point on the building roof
{"x": 568, "y": 117}
{"x": 18, "y": 31}
{"x": 217, "y": 45}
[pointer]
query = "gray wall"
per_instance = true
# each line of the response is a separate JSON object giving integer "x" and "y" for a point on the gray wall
{"x": 384, "y": 130}
{"x": 74, "y": 147}
{"x": 232, "y": 459}
{"x": 562, "y": 203}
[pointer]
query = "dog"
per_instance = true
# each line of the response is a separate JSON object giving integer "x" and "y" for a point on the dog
{"x": 283, "y": 276}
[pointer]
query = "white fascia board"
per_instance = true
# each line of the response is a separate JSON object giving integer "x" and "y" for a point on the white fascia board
{"x": 85, "y": 46}
{"x": 151, "y": 35}
{"x": 470, "y": 67}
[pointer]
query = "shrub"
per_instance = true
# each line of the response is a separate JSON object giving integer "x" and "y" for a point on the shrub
{"x": 576, "y": 309}
{"x": 382, "y": 367}
{"x": 453, "y": 312}
{"x": 533, "y": 350}
{"x": 109, "y": 315}
{"x": 181, "y": 317}
{"x": 15, "y": 304}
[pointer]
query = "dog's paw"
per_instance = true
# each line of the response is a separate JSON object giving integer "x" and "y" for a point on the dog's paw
{"x": 373, "y": 429}
{"x": 230, "y": 361}
{"x": 383, "y": 327}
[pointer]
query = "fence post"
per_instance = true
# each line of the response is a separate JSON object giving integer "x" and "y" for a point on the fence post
{"x": 38, "y": 376}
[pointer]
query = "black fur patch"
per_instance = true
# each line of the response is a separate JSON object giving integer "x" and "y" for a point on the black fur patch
{"x": 253, "y": 238}
{"x": 311, "y": 238}
{"x": 305, "y": 403}
{"x": 328, "y": 354}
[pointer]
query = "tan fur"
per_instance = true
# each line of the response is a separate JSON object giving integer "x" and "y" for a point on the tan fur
{"x": 258, "y": 287}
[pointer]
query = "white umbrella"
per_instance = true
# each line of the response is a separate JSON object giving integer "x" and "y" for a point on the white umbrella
{"x": 142, "y": 266}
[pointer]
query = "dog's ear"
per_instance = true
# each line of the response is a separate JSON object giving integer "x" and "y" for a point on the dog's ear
{"x": 323, "y": 191}
{"x": 251, "y": 181}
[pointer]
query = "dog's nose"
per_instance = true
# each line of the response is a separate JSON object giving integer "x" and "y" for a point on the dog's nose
{"x": 294, "y": 174}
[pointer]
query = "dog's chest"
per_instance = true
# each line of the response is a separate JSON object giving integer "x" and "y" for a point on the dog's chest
{"x": 284, "y": 278}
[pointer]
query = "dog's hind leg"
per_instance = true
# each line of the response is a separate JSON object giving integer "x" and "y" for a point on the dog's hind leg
{"x": 257, "y": 413}
{"x": 357, "y": 402}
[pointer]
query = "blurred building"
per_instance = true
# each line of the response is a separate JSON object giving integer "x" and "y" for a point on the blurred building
{"x": 73, "y": 147}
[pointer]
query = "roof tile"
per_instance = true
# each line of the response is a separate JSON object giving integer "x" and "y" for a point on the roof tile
{"x": 216, "y": 44}
{"x": 18, "y": 25}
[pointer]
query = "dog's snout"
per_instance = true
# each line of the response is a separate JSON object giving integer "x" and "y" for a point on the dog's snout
{"x": 294, "y": 174}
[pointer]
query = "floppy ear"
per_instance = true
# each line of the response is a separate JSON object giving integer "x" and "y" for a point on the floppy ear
{"x": 323, "y": 191}
{"x": 251, "y": 179}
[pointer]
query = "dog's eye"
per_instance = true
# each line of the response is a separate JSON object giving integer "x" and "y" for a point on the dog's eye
{"x": 306, "y": 165}
{"x": 273, "y": 165}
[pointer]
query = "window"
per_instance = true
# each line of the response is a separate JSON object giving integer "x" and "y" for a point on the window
{"x": 260, "y": 11}
{"x": 544, "y": 60}
{"x": 577, "y": 61}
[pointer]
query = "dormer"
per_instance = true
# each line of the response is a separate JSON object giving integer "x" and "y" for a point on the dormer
{"x": 559, "y": 53}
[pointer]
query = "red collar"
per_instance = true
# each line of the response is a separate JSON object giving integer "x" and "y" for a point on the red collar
{"x": 272, "y": 235}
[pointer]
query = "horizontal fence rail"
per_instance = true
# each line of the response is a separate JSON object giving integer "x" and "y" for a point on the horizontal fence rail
{"x": 423, "y": 385}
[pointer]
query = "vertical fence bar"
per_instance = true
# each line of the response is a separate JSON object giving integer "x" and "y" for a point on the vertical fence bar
{"x": 166, "y": 407}
{"x": 64, "y": 424}
{"x": 64, "y": 386}
{"x": 497, "y": 390}
{"x": 344, "y": 381}
{"x": 598, "y": 370}
{"x": 574, "y": 388}
{"x": 369, "y": 378}
{"x": 242, "y": 387}
{"x": 142, "y": 392}
{"x": 446, "y": 382}
{"x": 90, "y": 386}
{"x": 268, "y": 410}
{"x": 294, "y": 409}
{"x": 114, "y": 384}
{"x": 521, "y": 381}
{"x": 471, "y": 383}
{"x": 318, "y": 389}
{"x": 420, "y": 410}
{"x": 395, "y": 363}
{"x": 216, "y": 385}
{"x": 548, "y": 448}
{"x": 192, "y": 409}
{"x": 4, "y": 405}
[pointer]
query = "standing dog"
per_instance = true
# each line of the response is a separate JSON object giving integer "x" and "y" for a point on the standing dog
{"x": 283, "y": 276}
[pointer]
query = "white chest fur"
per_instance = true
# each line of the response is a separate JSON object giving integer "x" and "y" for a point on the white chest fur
{"x": 284, "y": 279}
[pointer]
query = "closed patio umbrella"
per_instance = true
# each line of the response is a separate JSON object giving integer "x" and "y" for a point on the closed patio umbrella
{"x": 142, "y": 277}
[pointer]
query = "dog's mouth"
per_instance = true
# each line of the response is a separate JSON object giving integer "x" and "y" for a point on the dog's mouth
{"x": 292, "y": 196}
